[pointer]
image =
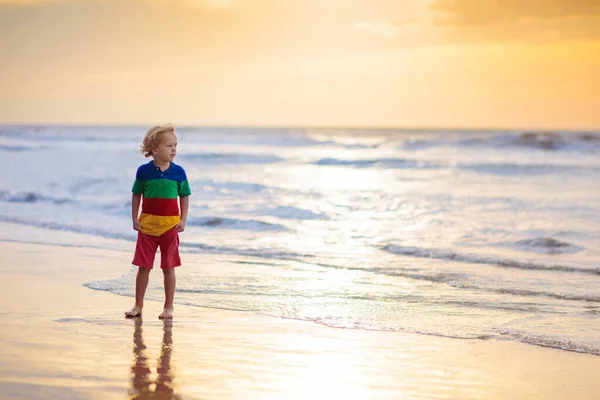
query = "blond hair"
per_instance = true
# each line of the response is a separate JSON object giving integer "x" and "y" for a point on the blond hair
{"x": 154, "y": 136}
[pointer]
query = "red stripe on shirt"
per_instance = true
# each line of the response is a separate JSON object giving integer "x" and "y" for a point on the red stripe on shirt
{"x": 162, "y": 207}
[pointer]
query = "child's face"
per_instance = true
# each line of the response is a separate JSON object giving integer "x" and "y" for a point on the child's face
{"x": 166, "y": 150}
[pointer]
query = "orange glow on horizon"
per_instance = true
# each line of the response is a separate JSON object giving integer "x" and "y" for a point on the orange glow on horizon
{"x": 413, "y": 63}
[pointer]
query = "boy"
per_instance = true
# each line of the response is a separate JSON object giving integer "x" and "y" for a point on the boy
{"x": 160, "y": 182}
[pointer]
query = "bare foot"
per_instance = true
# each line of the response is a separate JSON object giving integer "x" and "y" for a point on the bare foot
{"x": 134, "y": 312}
{"x": 166, "y": 314}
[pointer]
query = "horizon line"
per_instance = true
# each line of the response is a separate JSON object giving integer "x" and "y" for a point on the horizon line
{"x": 308, "y": 126}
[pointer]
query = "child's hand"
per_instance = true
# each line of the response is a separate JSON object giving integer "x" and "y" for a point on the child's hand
{"x": 136, "y": 225}
{"x": 180, "y": 227}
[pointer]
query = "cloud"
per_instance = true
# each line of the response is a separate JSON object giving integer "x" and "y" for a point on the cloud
{"x": 530, "y": 21}
{"x": 380, "y": 28}
{"x": 485, "y": 12}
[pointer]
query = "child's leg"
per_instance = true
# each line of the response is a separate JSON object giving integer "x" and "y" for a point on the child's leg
{"x": 170, "y": 283}
{"x": 169, "y": 250}
{"x": 141, "y": 284}
{"x": 145, "y": 251}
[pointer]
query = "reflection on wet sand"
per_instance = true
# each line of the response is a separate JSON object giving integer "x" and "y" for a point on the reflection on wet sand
{"x": 142, "y": 386}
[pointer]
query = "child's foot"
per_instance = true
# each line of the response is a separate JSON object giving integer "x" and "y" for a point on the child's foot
{"x": 134, "y": 312}
{"x": 166, "y": 314}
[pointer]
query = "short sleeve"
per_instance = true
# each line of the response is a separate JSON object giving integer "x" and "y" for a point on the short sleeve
{"x": 184, "y": 185}
{"x": 138, "y": 185}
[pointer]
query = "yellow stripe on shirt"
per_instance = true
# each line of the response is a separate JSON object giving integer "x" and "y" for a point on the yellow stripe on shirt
{"x": 156, "y": 225}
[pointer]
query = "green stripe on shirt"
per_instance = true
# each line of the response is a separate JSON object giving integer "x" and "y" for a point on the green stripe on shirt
{"x": 161, "y": 188}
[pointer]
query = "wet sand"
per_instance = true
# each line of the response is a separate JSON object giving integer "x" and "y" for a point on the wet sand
{"x": 61, "y": 340}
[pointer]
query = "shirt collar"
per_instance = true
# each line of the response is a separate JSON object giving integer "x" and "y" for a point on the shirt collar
{"x": 157, "y": 168}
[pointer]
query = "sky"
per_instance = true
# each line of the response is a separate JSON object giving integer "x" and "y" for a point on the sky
{"x": 511, "y": 64}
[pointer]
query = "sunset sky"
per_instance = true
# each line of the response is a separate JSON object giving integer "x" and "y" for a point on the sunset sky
{"x": 531, "y": 64}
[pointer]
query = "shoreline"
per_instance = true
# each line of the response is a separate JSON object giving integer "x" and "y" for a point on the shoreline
{"x": 63, "y": 340}
{"x": 71, "y": 241}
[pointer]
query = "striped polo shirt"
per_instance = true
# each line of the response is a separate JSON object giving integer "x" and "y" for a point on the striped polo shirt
{"x": 160, "y": 190}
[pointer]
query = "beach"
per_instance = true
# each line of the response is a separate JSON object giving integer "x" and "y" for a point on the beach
{"x": 358, "y": 264}
{"x": 61, "y": 340}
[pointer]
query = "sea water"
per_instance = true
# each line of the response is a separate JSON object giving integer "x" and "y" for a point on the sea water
{"x": 468, "y": 234}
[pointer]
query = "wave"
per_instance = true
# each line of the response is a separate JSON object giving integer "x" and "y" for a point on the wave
{"x": 535, "y": 293}
{"x": 532, "y": 339}
{"x": 545, "y": 245}
{"x": 548, "y": 341}
{"x": 30, "y": 197}
{"x": 391, "y": 163}
{"x": 81, "y": 185}
{"x": 475, "y": 259}
{"x": 555, "y": 140}
{"x": 58, "y": 133}
{"x": 233, "y": 223}
{"x": 540, "y": 140}
{"x": 70, "y": 228}
{"x": 262, "y": 253}
{"x": 454, "y": 281}
{"x": 486, "y": 168}
{"x": 215, "y": 187}
{"x": 281, "y": 137}
{"x": 287, "y": 212}
{"x": 517, "y": 169}
{"x": 458, "y": 280}
{"x": 230, "y": 158}
{"x": 13, "y": 148}
{"x": 260, "y": 136}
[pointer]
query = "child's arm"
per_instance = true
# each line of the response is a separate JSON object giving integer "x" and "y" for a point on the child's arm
{"x": 135, "y": 208}
{"x": 185, "y": 204}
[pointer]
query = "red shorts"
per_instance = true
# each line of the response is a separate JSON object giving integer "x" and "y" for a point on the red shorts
{"x": 145, "y": 250}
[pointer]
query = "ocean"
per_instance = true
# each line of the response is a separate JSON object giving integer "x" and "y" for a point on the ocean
{"x": 484, "y": 235}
